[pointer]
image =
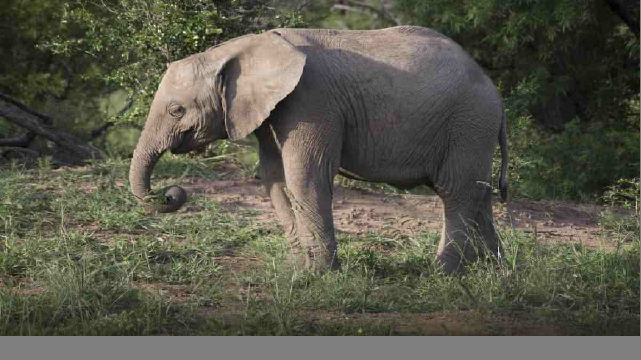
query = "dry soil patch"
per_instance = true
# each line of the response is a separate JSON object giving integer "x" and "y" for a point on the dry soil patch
{"x": 357, "y": 211}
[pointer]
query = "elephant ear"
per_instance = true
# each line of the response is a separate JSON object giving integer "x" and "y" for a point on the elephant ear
{"x": 262, "y": 71}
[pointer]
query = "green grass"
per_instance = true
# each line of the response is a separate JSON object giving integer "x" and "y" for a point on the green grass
{"x": 78, "y": 256}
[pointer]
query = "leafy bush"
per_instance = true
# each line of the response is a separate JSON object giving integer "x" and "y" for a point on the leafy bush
{"x": 580, "y": 162}
{"x": 575, "y": 164}
{"x": 624, "y": 194}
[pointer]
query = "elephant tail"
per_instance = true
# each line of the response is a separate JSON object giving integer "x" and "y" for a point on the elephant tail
{"x": 504, "y": 158}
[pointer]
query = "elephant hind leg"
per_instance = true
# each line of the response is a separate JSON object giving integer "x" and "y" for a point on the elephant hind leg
{"x": 485, "y": 220}
{"x": 468, "y": 229}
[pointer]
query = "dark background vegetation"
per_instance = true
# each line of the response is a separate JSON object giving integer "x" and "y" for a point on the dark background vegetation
{"x": 568, "y": 71}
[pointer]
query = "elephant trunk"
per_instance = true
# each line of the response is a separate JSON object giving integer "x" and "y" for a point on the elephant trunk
{"x": 170, "y": 199}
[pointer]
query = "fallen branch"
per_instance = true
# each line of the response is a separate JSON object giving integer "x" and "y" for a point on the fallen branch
{"x": 23, "y": 152}
{"x": 22, "y": 141}
{"x": 100, "y": 130}
{"x": 42, "y": 125}
{"x": 44, "y": 118}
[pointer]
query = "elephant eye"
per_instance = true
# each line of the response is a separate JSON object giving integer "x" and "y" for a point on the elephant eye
{"x": 176, "y": 110}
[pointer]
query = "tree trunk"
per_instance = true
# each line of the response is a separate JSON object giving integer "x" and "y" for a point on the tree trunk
{"x": 41, "y": 125}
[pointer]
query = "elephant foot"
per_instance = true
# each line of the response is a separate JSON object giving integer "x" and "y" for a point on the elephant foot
{"x": 320, "y": 259}
{"x": 454, "y": 261}
{"x": 320, "y": 268}
{"x": 296, "y": 260}
{"x": 318, "y": 264}
{"x": 322, "y": 264}
{"x": 451, "y": 265}
{"x": 299, "y": 261}
{"x": 316, "y": 259}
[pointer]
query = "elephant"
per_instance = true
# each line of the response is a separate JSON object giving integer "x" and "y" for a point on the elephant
{"x": 406, "y": 106}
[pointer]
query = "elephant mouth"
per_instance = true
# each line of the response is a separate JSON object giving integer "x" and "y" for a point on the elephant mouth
{"x": 185, "y": 145}
{"x": 181, "y": 149}
{"x": 190, "y": 143}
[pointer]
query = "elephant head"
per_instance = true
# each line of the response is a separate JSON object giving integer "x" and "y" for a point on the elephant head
{"x": 224, "y": 92}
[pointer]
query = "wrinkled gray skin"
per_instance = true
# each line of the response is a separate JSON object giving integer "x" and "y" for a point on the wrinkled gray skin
{"x": 404, "y": 106}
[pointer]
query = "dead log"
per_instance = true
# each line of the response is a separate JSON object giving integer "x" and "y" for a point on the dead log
{"x": 42, "y": 125}
{"x": 19, "y": 153}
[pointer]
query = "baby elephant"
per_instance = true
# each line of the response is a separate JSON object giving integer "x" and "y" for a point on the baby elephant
{"x": 404, "y": 106}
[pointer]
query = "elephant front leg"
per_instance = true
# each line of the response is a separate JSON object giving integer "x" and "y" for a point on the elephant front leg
{"x": 273, "y": 177}
{"x": 309, "y": 172}
{"x": 283, "y": 208}
{"x": 314, "y": 227}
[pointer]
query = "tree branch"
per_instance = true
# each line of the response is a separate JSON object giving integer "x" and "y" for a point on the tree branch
{"x": 349, "y": 8}
{"x": 11, "y": 152}
{"x": 302, "y": 5}
{"x": 101, "y": 129}
{"x": 34, "y": 121}
{"x": 355, "y": 6}
{"x": 44, "y": 118}
{"x": 22, "y": 141}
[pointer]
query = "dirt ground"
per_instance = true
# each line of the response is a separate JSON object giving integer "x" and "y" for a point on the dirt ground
{"x": 357, "y": 211}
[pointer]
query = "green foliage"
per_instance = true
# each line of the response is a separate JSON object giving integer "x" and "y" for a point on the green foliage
{"x": 54, "y": 85}
{"x": 578, "y": 163}
{"x": 623, "y": 194}
{"x": 136, "y": 39}
{"x": 27, "y": 74}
